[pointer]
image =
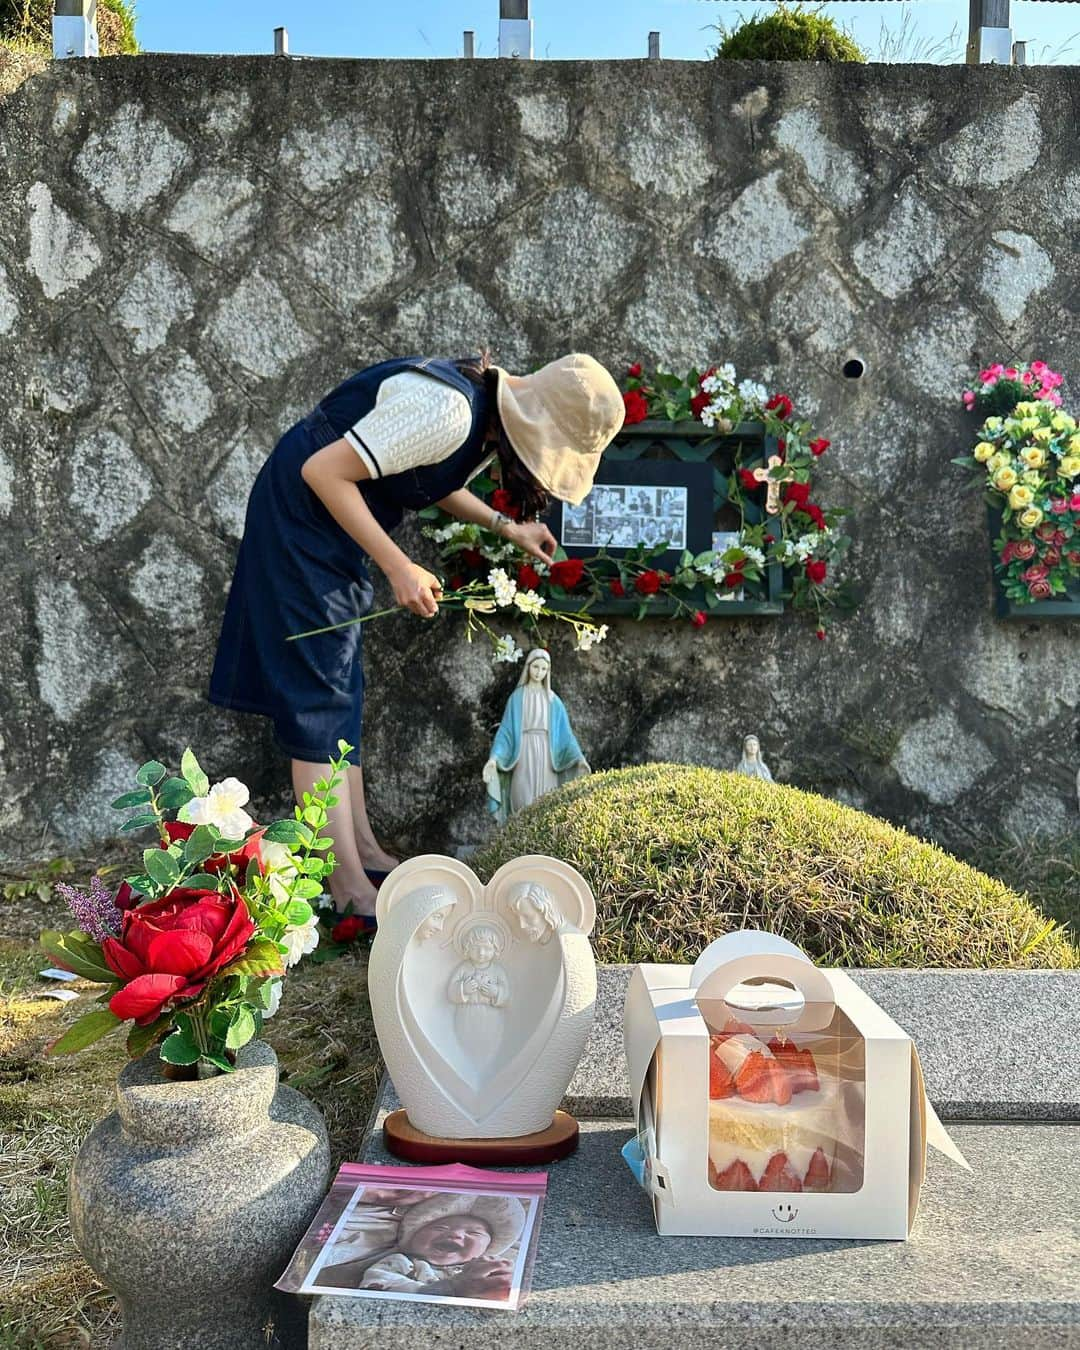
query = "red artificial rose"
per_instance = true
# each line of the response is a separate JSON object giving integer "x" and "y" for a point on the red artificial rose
{"x": 820, "y": 635}
{"x": 1045, "y": 531}
{"x": 735, "y": 578}
{"x": 617, "y": 589}
{"x": 501, "y": 500}
{"x": 819, "y": 446}
{"x": 456, "y": 582}
{"x": 637, "y": 407}
{"x": 1072, "y": 557}
{"x": 1037, "y": 572}
{"x": 1023, "y": 549}
{"x": 1040, "y": 590}
{"x": 179, "y": 830}
{"x": 472, "y": 557}
{"x": 567, "y": 573}
{"x": 346, "y": 929}
{"x": 796, "y": 493}
{"x": 1052, "y": 557}
{"x": 815, "y": 570}
{"x": 747, "y": 479}
{"x": 528, "y": 578}
{"x": 781, "y": 405}
{"x": 634, "y": 371}
{"x": 1008, "y": 552}
{"x": 698, "y": 619}
{"x": 647, "y": 583}
{"x": 816, "y": 515}
{"x": 169, "y": 948}
{"x": 699, "y": 403}
{"x": 781, "y": 448}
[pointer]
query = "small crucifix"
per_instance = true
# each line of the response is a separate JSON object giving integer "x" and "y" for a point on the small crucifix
{"x": 761, "y": 475}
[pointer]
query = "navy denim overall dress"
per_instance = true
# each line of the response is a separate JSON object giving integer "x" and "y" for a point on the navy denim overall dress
{"x": 297, "y": 569}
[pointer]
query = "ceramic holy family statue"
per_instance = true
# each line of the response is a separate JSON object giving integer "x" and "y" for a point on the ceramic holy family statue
{"x": 482, "y": 998}
{"x": 535, "y": 749}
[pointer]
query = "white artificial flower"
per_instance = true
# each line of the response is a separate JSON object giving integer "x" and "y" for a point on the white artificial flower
{"x": 710, "y": 384}
{"x": 506, "y": 649}
{"x": 726, "y": 372}
{"x": 300, "y": 939}
{"x": 503, "y": 587}
{"x": 277, "y": 858}
{"x": 529, "y": 602}
{"x": 754, "y": 554}
{"x": 804, "y": 546}
{"x": 751, "y": 392}
{"x": 275, "y": 999}
{"x": 708, "y": 415}
{"x": 588, "y": 637}
{"x": 222, "y": 808}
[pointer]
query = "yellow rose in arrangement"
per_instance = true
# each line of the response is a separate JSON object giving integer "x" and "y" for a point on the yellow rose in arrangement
{"x": 1074, "y": 445}
{"x": 1002, "y": 460}
{"x": 1061, "y": 421}
{"x": 1028, "y": 409}
{"x": 983, "y": 451}
{"x": 1033, "y": 478}
{"x": 1029, "y": 424}
{"x": 1020, "y": 497}
{"x": 1031, "y": 518}
{"x": 1069, "y": 466}
{"x": 1005, "y": 479}
{"x": 992, "y": 424}
{"x": 1033, "y": 456}
{"x": 1042, "y": 436}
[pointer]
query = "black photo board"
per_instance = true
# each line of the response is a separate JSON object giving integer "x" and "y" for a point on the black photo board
{"x": 640, "y": 501}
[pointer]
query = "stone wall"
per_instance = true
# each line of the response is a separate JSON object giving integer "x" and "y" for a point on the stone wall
{"x": 193, "y": 250}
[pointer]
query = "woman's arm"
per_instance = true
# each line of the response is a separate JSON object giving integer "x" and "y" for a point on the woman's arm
{"x": 531, "y": 537}
{"x": 332, "y": 474}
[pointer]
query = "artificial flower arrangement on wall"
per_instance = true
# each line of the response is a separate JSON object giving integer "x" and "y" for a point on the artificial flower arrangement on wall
{"x": 1027, "y": 456}
{"x": 193, "y": 946}
{"x": 493, "y": 583}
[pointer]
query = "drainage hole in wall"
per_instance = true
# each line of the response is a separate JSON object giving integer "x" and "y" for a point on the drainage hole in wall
{"x": 854, "y": 368}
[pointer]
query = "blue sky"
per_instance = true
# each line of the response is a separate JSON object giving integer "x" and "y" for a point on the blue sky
{"x": 568, "y": 29}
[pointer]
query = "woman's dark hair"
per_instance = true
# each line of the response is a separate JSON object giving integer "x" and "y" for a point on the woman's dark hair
{"x": 525, "y": 492}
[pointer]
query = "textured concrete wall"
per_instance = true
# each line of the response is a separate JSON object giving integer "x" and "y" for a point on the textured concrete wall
{"x": 193, "y": 250}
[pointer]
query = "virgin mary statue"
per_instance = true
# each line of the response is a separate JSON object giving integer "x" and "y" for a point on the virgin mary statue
{"x": 534, "y": 749}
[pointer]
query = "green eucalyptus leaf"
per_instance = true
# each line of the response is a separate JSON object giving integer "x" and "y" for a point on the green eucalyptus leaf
{"x": 202, "y": 881}
{"x": 173, "y": 794}
{"x": 162, "y": 866}
{"x": 304, "y": 889}
{"x": 142, "y": 797}
{"x": 289, "y": 832}
{"x": 140, "y": 821}
{"x": 299, "y": 911}
{"x": 193, "y": 775}
{"x": 88, "y": 1029}
{"x": 150, "y": 773}
{"x": 200, "y": 844}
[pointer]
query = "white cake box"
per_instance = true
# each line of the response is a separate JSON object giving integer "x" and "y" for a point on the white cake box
{"x": 773, "y": 1098}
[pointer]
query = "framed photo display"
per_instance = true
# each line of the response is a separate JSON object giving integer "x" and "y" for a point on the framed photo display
{"x": 670, "y": 483}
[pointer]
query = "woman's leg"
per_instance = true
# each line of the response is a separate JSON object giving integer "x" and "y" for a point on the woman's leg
{"x": 371, "y": 852}
{"x": 347, "y": 881}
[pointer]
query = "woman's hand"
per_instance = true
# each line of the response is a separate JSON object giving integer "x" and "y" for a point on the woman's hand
{"x": 415, "y": 588}
{"x": 532, "y": 537}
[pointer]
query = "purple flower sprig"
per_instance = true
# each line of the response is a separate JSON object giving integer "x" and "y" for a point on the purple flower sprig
{"x": 97, "y": 913}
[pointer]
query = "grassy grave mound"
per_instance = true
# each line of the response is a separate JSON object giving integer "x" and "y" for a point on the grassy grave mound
{"x": 677, "y": 855}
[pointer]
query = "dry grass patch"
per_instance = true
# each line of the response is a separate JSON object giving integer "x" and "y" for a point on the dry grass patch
{"x": 678, "y": 855}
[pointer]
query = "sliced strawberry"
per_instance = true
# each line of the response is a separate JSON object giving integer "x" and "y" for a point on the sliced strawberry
{"x": 721, "y": 1083}
{"x": 778, "y": 1175}
{"x": 736, "y": 1177}
{"x": 754, "y": 1077}
{"x": 818, "y": 1174}
{"x": 809, "y": 1079}
{"x": 799, "y": 1065}
{"x": 781, "y": 1083}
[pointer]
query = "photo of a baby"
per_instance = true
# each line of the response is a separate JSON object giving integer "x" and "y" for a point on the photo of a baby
{"x": 435, "y": 1246}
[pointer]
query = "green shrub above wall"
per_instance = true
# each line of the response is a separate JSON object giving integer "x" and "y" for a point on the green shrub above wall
{"x": 787, "y": 33}
{"x": 678, "y": 855}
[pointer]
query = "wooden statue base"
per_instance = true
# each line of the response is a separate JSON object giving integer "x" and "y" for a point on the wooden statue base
{"x": 559, "y": 1140}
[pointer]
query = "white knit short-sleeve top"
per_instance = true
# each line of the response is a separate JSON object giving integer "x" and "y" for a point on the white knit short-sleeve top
{"x": 417, "y": 420}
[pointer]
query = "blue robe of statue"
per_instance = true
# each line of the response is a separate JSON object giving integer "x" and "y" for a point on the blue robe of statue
{"x": 567, "y": 760}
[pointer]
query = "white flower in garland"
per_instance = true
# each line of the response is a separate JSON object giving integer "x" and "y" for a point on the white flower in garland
{"x": 588, "y": 637}
{"x": 300, "y": 939}
{"x": 504, "y": 588}
{"x": 529, "y": 602}
{"x": 222, "y": 807}
{"x": 277, "y": 859}
{"x": 275, "y": 998}
{"x": 506, "y": 649}
{"x": 755, "y": 555}
{"x": 752, "y": 392}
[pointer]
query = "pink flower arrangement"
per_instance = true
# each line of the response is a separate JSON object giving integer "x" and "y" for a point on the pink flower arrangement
{"x": 1001, "y": 387}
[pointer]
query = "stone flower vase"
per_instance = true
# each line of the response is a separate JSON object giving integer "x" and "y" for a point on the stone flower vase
{"x": 189, "y": 1199}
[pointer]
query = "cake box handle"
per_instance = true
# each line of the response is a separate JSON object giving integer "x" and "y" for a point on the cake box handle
{"x": 740, "y": 958}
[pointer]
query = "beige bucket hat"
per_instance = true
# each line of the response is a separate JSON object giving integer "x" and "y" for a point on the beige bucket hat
{"x": 559, "y": 421}
{"x": 503, "y": 1214}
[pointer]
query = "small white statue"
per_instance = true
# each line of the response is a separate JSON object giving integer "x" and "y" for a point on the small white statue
{"x": 751, "y": 764}
{"x": 480, "y": 989}
{"x": 434, "y": 924}
{"x": 481, "y": 1032}
{"x": 534, "y": 749}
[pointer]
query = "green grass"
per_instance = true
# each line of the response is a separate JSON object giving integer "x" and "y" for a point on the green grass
{"x": 677, "y": 855}
{"x": 786, "y": 33}
{"x": 1047, "y": 869}
{"x": 26, "y": 26}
